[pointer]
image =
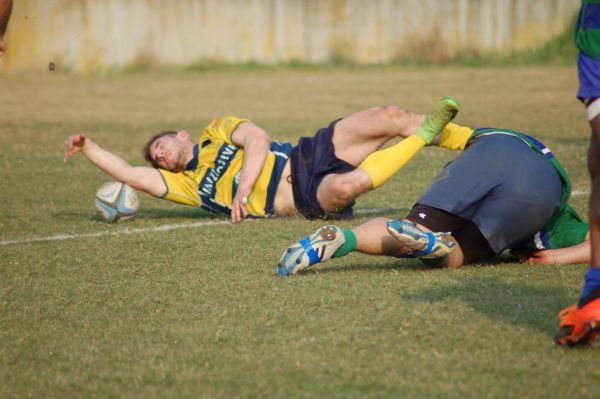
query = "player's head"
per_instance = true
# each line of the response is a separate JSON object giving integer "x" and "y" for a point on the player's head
{"x": 169, "y": 150}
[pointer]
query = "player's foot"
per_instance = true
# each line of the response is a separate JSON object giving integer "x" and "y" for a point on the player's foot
{"x": 445, "y": 110}
{"x": 424, "y": 244}
{"x": 310, "y": 250}
{"x": 580, "y": 324}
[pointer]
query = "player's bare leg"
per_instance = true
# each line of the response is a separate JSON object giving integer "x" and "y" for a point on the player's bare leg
{"x": 580, "y": 323}
{"x": 358, "y": 135}
{"x": 337, "y": 191}
{"x": 594, "y": 204}
{"x": 328, "y": 242}
{"x": 357, "y": 138}
{"x": 439, "y": 249}
{"x": 374, "y": 239}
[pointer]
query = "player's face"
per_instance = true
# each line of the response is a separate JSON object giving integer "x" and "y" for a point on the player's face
{"x": 169, "y": 152}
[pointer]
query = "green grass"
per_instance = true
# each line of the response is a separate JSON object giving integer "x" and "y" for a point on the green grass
{"x": 199, "y": 311}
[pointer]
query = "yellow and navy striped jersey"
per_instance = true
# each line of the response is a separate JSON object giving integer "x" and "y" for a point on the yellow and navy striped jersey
{"x": 212, "y": 176}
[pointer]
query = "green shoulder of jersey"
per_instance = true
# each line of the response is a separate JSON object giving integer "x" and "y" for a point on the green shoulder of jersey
{"x": 587, "y": 31}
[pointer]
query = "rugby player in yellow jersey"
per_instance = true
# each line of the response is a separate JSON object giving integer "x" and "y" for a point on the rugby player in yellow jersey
{"x": 235, "y": 168}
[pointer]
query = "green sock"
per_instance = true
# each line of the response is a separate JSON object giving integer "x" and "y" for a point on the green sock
{"x": 348, "y": 246}
{"x": 445, "y": 110}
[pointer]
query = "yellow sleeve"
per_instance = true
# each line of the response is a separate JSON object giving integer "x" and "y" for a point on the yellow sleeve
{"x": 223, "y": 128}
{"x": 180, "y": 188}
{"x": 455, "y": 137}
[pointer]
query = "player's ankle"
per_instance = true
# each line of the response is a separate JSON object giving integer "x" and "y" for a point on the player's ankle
{"x": 444, "y": 111}
{"x": 591, "y": 286}
{"x": 592, "y": 296}
{"x": 349, "y": 245}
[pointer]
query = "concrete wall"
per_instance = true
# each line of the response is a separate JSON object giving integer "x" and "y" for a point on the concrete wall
{"x": 94, "y": 34}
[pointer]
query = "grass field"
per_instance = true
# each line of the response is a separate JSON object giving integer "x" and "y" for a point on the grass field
{"x": 199, "y": 312}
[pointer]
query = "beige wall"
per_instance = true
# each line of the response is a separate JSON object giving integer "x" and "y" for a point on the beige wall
{"x": 94, "y": 34}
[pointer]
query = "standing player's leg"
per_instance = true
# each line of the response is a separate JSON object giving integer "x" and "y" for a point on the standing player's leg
{"x": 581, "y": 323}
{"x": 594, "y": 170}
{"x": 357, "y": 138}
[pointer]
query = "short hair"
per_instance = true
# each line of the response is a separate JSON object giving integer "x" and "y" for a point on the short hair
{"x": 146, "y": 149}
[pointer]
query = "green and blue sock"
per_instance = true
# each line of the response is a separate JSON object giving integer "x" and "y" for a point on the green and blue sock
{"x": 348, "y": 246}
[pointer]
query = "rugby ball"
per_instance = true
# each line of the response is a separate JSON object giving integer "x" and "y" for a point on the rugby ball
{"x": 116, "y": 201}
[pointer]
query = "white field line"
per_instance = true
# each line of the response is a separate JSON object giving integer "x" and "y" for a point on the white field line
{"x": 156, "y": 229}
{"x": 127, "y": 231}
{"x": 578, "y": 193}
{"x": 178, "y": 226}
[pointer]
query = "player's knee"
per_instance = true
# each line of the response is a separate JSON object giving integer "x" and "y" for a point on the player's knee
{"x": 393, "y": 112}
{"x": 343, "y": 190}
{"x": 349, "y": 187}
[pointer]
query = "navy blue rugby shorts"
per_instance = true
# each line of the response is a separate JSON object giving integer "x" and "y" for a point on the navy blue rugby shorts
{"x": 508, "y": 190}
{"x": 311, "y": 160}
{"x": 588, "y": 69}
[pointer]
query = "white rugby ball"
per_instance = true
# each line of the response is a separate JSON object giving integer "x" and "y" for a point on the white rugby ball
{"x": 116, "y": 201}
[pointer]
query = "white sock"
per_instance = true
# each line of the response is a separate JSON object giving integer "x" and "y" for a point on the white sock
{"x": 593, "y": 109}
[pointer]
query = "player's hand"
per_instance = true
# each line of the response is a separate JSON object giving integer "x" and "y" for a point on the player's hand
{"x": 73, "y": 144}
{"x": 238, "y": 209}
{"x": 546, "y": 256}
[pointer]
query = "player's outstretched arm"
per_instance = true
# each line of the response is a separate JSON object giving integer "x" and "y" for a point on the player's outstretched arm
{"x": 141, "y": 178}
{"x": 580, "y": 253}
{"x": 256, "y": 143}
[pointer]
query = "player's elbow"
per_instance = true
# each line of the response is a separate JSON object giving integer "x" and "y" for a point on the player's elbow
{"x": 138, "y": 185}
{"x": 130, "y": 177}
{"x": 132, "y": 183}
{"x": 259, "y": 144}
{"x": 147, "y": 180}
{"x": 263, "y": 139}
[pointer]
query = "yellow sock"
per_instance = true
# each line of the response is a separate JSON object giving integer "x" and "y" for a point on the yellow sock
{"x": 455, "y": 137}
{"x": 383, "y": 164}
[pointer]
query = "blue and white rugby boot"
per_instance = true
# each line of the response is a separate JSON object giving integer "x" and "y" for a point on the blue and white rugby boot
{"x": 424, "y": 244}
{"x": 310, "y": 250}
